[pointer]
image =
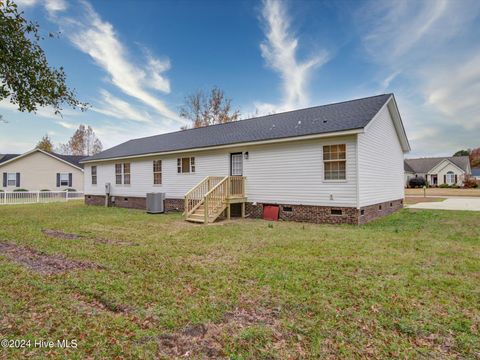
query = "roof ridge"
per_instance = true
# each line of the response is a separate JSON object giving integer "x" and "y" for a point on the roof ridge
{"x": 263, "y": 116}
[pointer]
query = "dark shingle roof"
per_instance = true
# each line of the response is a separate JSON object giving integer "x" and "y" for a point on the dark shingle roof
{"x": 348, "y": 115}
{"x": 72, "y": 159}
{"x": 6, "y": 157}
{"x": 407, "y": 167}
{"x": 424, "y": 165}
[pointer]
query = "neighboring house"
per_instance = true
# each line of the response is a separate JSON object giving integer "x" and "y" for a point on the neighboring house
{"x": 476, "y": 173}
{"x": 337, "y": 163}
{"x": 438, "y": 170}
{"x": 41, "y": 170}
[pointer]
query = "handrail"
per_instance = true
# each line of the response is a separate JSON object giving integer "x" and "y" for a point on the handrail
{"x": 196, "y": 196}
{"x": 214, "y": 192}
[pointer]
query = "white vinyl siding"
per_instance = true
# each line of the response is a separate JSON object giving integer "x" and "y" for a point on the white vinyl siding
{"x": 288, "y": 173}
{"x": 381, "y": 172}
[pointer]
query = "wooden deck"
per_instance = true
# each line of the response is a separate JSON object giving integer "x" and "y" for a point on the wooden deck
{"x": 213, "y": 196}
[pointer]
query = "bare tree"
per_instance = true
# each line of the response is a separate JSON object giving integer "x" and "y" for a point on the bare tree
{"x": 83, "y": 142}
{"x": 208, "y": 109}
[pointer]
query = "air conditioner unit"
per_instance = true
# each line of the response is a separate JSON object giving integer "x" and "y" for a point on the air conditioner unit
{"x": 155, "y": 203}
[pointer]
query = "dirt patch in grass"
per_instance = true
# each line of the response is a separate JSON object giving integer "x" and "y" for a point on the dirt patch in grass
{"x": 65, "y": 236}
{"x": 60, "y": 234}
{"x": 99, "y": 304}
{"x": 41, "y": 262}
{"x": 208, "y": 340}
{"x": 115, "y": 242}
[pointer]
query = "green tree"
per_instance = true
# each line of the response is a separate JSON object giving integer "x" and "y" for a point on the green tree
{"x": 462, "y": 153}
{"x": 26, "y": 78}
{"x": 45, "y": 144}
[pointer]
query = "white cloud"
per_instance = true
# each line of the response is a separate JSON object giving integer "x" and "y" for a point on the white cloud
{"x": 120, "y": 109}
{"x": 279, "y": 50}
{"x": 54, "y": 6}
{"x": 431, "y": 49}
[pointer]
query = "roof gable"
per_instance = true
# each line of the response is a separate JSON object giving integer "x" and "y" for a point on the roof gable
{"x": 425, "y": 165}
{"x": 72, "y": 160}
{"x": 351, "y": 115}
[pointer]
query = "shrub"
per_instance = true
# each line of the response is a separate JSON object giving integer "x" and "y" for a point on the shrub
{"x": 70, "y": 189}
{"x": 444, "y": 186}
{"x": 417, "y": 182}
{"x": 470, "y": 183}
{"x": 20, "y": 190}
{"x": 45, "y": 190}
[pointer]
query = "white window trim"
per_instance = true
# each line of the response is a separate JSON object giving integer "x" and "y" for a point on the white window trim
{"x": 92, "y": 175}
{"x": 14, "y": 179}
{"x": 157, "y": 172}
{"x": 189, "y": 163}
{"x": 68, "y": 179}
{"x": 122, "y": 173}
{"x": 335, "y": 160}
{"x": 451, "y": 175}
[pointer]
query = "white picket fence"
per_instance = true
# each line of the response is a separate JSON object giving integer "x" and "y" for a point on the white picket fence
{"x": 34, "y": 197}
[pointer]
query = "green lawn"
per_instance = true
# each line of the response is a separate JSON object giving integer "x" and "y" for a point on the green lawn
{"x": 405, "y": 286}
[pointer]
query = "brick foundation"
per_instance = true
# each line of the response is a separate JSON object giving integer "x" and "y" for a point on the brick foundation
{"x": 303, "y": 213}
{"x": 132, "y": 202}
{"x": 326, "y": 214}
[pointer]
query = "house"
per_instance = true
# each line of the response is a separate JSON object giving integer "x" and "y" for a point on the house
{"x": 336, "y": 163}
{"x": 476, "y": 173}
{"x": 438, "y": 170}
{"x": 38, "y": 170}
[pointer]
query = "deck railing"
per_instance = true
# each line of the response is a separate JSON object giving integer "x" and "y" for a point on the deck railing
{"x": 196, "y": 195}
{"x": 214, "y": 192}
{"x": 33, "y": 197}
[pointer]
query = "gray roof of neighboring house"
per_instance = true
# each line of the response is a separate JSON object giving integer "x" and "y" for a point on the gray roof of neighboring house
{"x": 407, "y": 167}
{"x": 476, "y": 171}
{"x": 348, "y": 115}
{"x": 6, "y": 157}
{"x": 72, "y": 159}
{"x": 424, "y": 165}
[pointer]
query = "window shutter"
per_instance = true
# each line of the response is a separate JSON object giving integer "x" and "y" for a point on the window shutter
{"x": 58, "y": 179}
{"x": 18, "y": 179}
{"x": 70, "y": 179}
{"x": 444, "y": 179}
{"x": 4, "y": 179}
{"x": 456, "y": 178}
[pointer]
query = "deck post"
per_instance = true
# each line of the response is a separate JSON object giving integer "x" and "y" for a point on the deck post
{"x": 243, "y": 209}
{"x": 228, "y": 211}
{"x": 206, "y": 210}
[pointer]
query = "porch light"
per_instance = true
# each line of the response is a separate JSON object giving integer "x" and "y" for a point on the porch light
{"x": 245, "y": 156}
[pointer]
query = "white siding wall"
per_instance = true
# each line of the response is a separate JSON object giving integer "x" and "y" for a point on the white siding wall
{"x": 444, "y": 167}
{"x": 293, "y": 174}
{"x": 289, "y": 173}
{"x": 380, "y": 160}
{"x": 173, "y": 184}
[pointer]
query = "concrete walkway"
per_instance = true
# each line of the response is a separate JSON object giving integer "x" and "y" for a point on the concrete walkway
{"x": 472, "y": 204}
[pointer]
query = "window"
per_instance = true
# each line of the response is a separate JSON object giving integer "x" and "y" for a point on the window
{"x": 126, "y": 173}
{"x": 336, "y": 211}
{"x": 64, "y": 179}
{"x": 186, "y": 165}
{"x": 334, "y": 160}
{"x": 122, "y": 172}
{"x": 94, "y": 175}
{"x": 157, "y": 172}
{"x": 11, "y": 179}
{"x": 450, "y": 178}
{"x": 118, "y": 174}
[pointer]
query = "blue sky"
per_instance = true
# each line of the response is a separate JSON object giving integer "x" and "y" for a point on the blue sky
{"x": 135, "y": 61}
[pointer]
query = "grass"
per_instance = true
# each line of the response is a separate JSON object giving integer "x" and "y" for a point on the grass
{"x": 404, "y": 286}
